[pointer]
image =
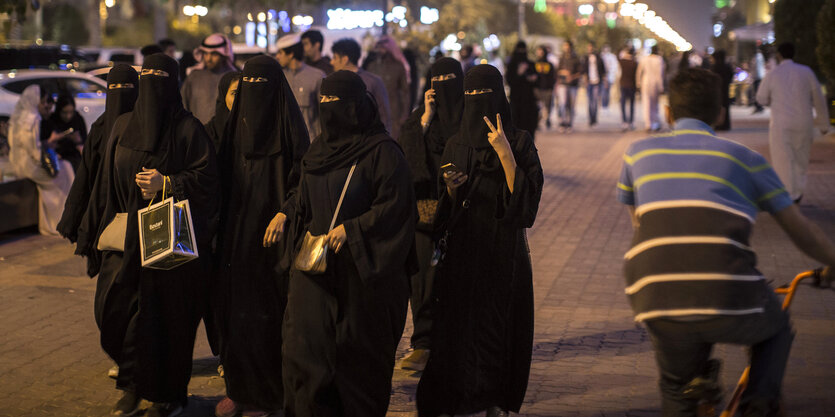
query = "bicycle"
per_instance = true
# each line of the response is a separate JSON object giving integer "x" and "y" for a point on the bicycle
{"x": 705, "y": 388}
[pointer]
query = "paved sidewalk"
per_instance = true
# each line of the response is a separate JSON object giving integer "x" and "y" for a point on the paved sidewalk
{"x": 590, "y": 359}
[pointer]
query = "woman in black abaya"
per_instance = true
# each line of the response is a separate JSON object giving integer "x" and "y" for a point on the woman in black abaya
{"x": 521, "y": 78}
{"x": 341, "y": 328}
{"x": 122, "y": 88}
{"x": 150, "y": 316}
{"x": 483, "y": 328}
{"x": 66, "y": 117}
{"x": 423, "y": 137}
{"x": 226, "y": 91}
{"x": 260, "y": 160}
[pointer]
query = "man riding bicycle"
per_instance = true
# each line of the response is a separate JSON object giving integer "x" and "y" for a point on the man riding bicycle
{"x": 691, "y": 272}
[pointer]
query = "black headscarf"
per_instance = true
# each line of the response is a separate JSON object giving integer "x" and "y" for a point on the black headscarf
{"x": 265, "y": 110}
{"x": 449, "y": 98}
{"x": 351, "y": 125}
{"x": 159, "y": 104}
{"x": 122, "y": 90}
{"x": 488, "y": 103}
{"x": 221, "y": 111}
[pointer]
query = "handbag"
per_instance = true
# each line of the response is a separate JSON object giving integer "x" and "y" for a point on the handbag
{"x": 166, "y": 234}
{"x": 113, "y": 236}
{"x": 313, "y": 254}
{"x": 427, "y": 210}
{"x": 49, "y": 161}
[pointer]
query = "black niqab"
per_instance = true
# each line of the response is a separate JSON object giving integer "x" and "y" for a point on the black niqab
{"x": 122, "y": 90}
{"x": 265, "y": 110}
{"x": 158, "y": 106}
{"x": 222, "y": 112}
{"x": 351, "y": 125}
{"x": 449, "y": 97}
{"x": 484, "y": 96}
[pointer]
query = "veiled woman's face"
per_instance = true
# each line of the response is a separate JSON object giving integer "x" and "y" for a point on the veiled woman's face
{"x": 231, "y": 93}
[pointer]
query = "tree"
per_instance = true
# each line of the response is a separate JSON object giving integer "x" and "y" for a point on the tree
{"x": 826, "y": 44}
{"x": 794, "y": 21}
{"x": 826, "y": 51}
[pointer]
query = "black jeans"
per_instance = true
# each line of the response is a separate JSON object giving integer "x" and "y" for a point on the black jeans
{"x": 627, "y": 94}
{"x": 683, "y": 347}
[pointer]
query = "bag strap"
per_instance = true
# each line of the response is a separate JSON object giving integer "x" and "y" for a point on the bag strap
{"x": 155, "y": 196}
{"x": 342, "y": 196}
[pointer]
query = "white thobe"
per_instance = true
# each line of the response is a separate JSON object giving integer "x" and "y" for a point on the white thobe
{"x": 650, "y": 78}
{"x": 797, "y": 106}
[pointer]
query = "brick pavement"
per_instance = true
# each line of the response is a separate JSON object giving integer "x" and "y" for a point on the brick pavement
{"x": 590, "y": 359}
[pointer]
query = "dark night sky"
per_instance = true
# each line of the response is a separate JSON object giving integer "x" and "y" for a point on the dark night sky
{"x": 690, "y": 18}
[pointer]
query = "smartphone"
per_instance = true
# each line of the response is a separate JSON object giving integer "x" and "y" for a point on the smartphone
{"x": 451, "y": 169}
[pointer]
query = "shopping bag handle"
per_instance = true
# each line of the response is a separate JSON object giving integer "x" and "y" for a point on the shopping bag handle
{"x": 164, "y": 181}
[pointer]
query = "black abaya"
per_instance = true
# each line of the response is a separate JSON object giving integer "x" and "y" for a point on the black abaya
{"x": 250, "y": 291}
{"x": 483, "y": 329}
{"x": 423, "y": 153}
{"x": 122, "y": 81}
{"x": 149, "y": 317}
{"x": 341, "y": 328}
{"x": 523, "y": 102}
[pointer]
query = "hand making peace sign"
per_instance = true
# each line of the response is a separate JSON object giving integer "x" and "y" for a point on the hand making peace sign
{"x": 497, "y": 138}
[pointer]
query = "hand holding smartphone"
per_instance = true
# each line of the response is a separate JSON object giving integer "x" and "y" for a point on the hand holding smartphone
{"x": 453, "y": 176}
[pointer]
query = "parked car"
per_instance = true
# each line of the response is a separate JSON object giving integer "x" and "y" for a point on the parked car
{"x": 21, "y": 55}
{"x": 89, "y": 91}
{"x": 109, "y": 56}
{"x": 101, "y": 73}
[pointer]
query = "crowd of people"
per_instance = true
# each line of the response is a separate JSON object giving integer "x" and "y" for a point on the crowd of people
{"x": 425, "y": 206}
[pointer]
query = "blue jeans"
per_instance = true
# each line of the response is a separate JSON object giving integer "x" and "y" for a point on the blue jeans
{"x": 594, "y": 98}
{"x": 566, "y": 94}
{"x": 683, "y": 347}
{"x": 627, "y": 94}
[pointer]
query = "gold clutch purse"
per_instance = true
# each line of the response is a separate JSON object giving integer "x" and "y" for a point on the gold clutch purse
{"x": 113, "y": 236}
{"x": 313, "y": 254}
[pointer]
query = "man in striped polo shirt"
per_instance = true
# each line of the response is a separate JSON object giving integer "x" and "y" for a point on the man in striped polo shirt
{"x": 691, "y": 273}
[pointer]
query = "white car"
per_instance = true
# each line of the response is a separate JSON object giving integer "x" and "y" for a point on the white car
{"x": 89, "y": 92}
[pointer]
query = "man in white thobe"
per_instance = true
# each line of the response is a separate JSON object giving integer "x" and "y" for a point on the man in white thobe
{"x": 650, "y": 79}
{"x": 793, "y": 92}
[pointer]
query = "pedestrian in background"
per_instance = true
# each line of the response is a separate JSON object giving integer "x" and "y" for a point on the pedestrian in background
{"x": 67, "y": 131}
{"x": 199, "y": 90}
{"x": 342, "y": 326}
{"x": 758, "y": 72}
{"x": 569, "y": 72}
{"x": 303, "y": 79}
{"x": 25, "y": 153}
{"x": 650, "y": 78}
{"x": 797, "y": 107}
{"x": 227, "y": 89}
{"x": 346, "y": 56}
{"x": 521, "y": 77}
{"x": 313, "y": 41}
{"x": 150, "y": 316}
{"x": 483, "y": 327}
{"x": 594, "y": 74}
{"x": 545, "y": 82}
{"x": 423, "y": 138}
{"x": 390, "y": 65}
{"x": 169, "y": 47}
{"x": 259, "y": 162}
{"x": 726, "y": 74}
{"x": 610, "y": 62}
{"x": 628, "y": 70}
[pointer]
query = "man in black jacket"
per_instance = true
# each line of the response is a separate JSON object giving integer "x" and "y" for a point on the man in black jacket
{"x": 594, "y": 73}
